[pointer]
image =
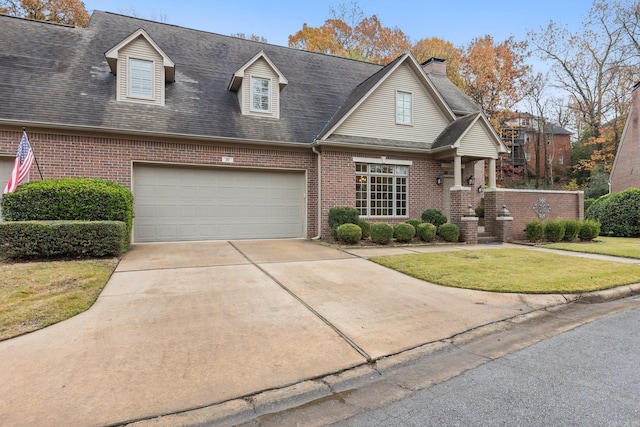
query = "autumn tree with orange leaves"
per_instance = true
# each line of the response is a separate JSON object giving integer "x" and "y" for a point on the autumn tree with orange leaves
{"x": 495, "y": 75}
{"x": 435, "y": 47}
{"x": 70, "y": 12}
{"x": 348, "y": 33}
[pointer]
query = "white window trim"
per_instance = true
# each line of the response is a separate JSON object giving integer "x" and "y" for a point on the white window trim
{"x": 382, "y": 161}
{"x": 395, "y": 176}
{"x": 153, "y": 79}
{"x": 410, "y": 123}
{"x": 271, "y": 94}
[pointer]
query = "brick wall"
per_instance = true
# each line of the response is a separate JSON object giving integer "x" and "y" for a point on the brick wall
{"x": 63, "y": 156}
{"x": 338, "y": 185}
{"x": 521, "y": 204}
{"x": 626, "y": 170}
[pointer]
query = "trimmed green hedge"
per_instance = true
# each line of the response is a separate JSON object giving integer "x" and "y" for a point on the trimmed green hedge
{"x": 449, "y": 232}
{"x": 427, "y": 231}
{"x": 62, "y": 239}
{"x": 381, "y": 233}
{"x": 71, "y": 199}
{"x": 349, "y": 233}
{"x": 365, "y": 227}
{"x": 554, "y": 231}
{"x": 590, "y": 230}
{"x": 404, "y": 232}
{"x": 339, "y": 215}
{"x": 571, "y": 229}
{"x": 617, "y": 213}
{"x": 534, "y": 230}
{"x": 434, "y": 217}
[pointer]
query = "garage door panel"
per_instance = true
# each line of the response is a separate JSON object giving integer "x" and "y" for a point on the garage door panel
{"x": 182, "y": 203}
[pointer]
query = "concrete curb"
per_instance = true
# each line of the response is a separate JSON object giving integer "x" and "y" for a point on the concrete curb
{"x": 262, "y": 403}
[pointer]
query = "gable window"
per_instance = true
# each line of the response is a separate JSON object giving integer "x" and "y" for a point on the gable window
{"x": 260, "y": 94}
{"x": 381, "y": 190}
{"x": 403, "y": 108}
{"x": 140, "y": 78}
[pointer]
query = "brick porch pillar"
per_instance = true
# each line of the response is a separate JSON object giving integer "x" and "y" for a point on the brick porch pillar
{"x": 504, "y": 225}
{"x": 493, "y": 202}
{"x": 461, "y": 199}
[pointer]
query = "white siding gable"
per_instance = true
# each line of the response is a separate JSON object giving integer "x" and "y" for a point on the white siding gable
{"x": 376, "y": 116}
{"x": 478, "y": 142}
{"x": 141, "y": 49}
{"x": 260, "y": 69}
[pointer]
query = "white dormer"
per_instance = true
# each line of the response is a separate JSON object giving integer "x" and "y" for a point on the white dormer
{"x": 141, "y": 69}
{"x": 258, "y": 84}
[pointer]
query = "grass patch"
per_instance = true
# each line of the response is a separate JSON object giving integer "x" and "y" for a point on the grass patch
{"x": 627, "y": 247}
{"x": 38, "y": 294}
{"x": 513, "y": 270}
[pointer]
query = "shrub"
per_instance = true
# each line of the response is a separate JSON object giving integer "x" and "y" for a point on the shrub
{"x": 449, "y": 232}
{"x": 415, "y": 222}
{"x": 434, "y": 217}
{"x": 342, "y": 215}
{"x": 590, "y": 230}
{"x": 534, "y": 230}
{"x": 427, "y": 231}
{"x": 62, "y": 239}
{"x": 618, "y": 213}
{"x": 404, "y": 232}
{"x": 349, "y": 233}
{"x": 571, "y": 229}
{"x": 588, "y": 203}
{"x": 554, "y": 231}
{"x": 71, "y": 199}
{"x": 381, "y": 233}
{"x": 480, "y": 211}
{"x": 365, "y": 227}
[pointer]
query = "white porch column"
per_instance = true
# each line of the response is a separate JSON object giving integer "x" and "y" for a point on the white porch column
{"x": 492, "y": 173}
{"x": 457, "y": 171}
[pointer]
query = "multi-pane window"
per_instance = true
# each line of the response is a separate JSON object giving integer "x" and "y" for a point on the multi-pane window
{"x": 381, "y": 190}
{"x": 403, "y": 108}
{"x": 140, "y": 78}
{"x": 260, "y": 94}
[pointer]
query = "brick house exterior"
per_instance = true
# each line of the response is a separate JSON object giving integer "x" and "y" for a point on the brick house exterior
{"x": 225, "y": 138}
{"x": 545, "y": 148}
{"x": 625, "y": 172}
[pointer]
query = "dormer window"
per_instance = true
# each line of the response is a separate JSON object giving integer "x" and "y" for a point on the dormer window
{"x": 257, "y": 85}
{"x": 260, "y": 94}
{"x": 140, "y": 78}
{"x": 403, "y": 108}
{"x": 141, "y": 69}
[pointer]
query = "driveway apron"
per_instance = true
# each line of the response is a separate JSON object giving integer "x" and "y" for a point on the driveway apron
{"x": 187, "y": 325}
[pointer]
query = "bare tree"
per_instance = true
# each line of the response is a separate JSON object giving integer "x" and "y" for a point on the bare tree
{"x": 589, "y": 65}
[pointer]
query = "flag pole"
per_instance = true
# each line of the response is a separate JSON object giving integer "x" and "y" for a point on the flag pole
{"x": 24, "y": 130}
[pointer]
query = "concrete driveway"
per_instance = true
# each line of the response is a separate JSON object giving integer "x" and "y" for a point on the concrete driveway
{"x": 185, "y": 325}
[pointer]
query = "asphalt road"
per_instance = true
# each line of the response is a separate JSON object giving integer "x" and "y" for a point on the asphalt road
{"x": 589, "y": 376}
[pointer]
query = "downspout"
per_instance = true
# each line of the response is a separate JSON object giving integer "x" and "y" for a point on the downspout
{"x": 315, "y": 150}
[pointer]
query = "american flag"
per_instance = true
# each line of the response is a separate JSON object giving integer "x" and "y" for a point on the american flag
{"x": 21, "y": 167}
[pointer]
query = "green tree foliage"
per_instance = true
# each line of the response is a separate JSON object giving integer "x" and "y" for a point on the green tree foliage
{"x": 618, "y": 213}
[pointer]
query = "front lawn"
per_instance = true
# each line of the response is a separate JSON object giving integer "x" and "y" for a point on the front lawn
{"x": 627, "y": 247}
{"x": 37, "y": 294}
{"x": 513, "y": 270}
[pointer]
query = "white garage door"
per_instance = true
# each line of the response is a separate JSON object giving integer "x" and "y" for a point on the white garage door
{"x": 185, "y": 203}
{"x": 6, "y": 167}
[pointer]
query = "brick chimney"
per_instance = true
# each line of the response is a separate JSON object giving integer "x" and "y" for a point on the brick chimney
{"x": 435, "y": 66}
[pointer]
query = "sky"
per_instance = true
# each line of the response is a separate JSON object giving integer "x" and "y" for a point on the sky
{"x": 458, "y": 22}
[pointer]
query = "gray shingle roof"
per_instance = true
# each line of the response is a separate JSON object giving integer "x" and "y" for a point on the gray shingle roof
{"x": 59, "y": 75}
{"x": 457, "y": 100}
{"x": 454, "y": 131}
